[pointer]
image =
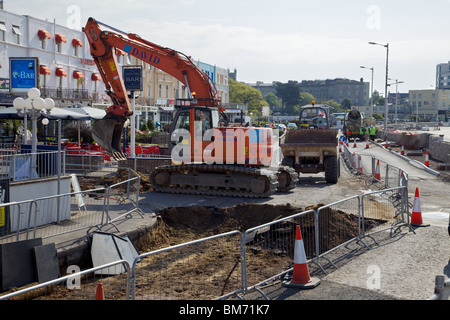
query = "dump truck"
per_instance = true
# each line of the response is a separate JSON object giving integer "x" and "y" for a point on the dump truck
{"x": 313, "y": 148}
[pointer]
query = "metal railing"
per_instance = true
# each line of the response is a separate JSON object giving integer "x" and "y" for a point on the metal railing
{"x": 208, "y": 268}
{"x": 94, "y": 208}
{"x": 29, "y": 166}
{"x": 199, "y": 269}
{"x": 73, "y": 287}
{"x": 274, "y": 242}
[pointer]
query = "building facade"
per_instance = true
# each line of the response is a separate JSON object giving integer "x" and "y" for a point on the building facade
{"x": 430, "y": 105}
{"x": 443, "y": 76}
{"x": 67, "y": 72}
{"x": 358, "y": 92}
{"x": 69, "y": 75}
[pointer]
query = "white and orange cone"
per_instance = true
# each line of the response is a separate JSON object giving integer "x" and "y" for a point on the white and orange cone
{"x": 300, "y": 277}
{"x": 416, "y": 215}
{"x": 367, "y": 143}
{"x": 403, "y": 150}
{"x": 377, "y": 171}
{"x": 354, "y": 143}
{"x": 427, "y": 160}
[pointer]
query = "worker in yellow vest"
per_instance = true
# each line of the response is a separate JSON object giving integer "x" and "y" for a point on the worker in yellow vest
{"x": 373, "y": 132}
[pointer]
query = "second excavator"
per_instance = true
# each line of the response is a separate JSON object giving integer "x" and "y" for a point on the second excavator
{"x": 209, "y": 157}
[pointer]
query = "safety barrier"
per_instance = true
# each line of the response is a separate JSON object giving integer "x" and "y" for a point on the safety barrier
{"x": 73, "y": 211}
{"x": 233, "y": 264}
{"x": 201, "y": 269}
{"x": 442, "y": 289}
{"x": 377, "y": 171}
{"x": 388, "y": 205}
{"x": 274, "y": 242}
{"x": 79, "y": 285}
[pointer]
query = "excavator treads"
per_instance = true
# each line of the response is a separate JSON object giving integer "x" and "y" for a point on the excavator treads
{"x": 215, "y": 180}
{"x": 107, "y": 133}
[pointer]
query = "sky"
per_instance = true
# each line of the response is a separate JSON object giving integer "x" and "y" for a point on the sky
{"x": 280, "y": 40}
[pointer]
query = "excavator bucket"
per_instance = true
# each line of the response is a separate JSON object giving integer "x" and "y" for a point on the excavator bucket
{"x": 107, "y": 133}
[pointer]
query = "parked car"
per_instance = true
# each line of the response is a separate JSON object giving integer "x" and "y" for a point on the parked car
{"x": 291, "y": 125}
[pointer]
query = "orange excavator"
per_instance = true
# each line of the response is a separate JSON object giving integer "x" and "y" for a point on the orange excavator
{"x": 208, "y": 156}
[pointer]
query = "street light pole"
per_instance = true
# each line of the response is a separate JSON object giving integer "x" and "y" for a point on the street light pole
{"x": 385, "y": 87}
{"x": 396, "y": 97}
{"x": 371, "y": 94}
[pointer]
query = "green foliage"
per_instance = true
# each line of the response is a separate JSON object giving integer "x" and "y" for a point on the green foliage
{"x": 244, "y": 94}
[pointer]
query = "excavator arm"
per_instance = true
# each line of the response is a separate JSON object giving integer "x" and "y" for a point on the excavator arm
{"x": 103, "y": 45}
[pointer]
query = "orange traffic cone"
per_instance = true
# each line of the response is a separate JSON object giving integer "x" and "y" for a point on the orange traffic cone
{"x": 403, "y": 151}
{"x": 354, "y": 143}
{"x": 377, "y": 171}
{"x": 300, "y": 277}
{"x": 367, "y": 143}
{"x": 427, "y": 160}
{"x": 99, "y": 295}
{"x": 416, "y": 215}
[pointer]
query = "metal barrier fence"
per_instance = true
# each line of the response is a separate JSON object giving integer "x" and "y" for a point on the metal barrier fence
{"x": 390, "y": 176}
{"x": 267, "y": 250}
{"x": 201, "y": 269}
{"x": 231, "y": 264}
{"x": 74, "y": 211}
{"x": 387, "y": 208}
{"x": 27, "y": 165}
{"x": 442, "y": 289}
{"x": 79, "y": 285}
{"x": 336, "y": 225}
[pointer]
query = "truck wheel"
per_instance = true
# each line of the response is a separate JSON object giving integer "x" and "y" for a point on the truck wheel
{"x": 331, "y": 170}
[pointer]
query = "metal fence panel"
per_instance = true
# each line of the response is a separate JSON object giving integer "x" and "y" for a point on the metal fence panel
{"x": 202, "y": 269}
{"x": 267, "y": 251}
{"x": 388, "y": 207}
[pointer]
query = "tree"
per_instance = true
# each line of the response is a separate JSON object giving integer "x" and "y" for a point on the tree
{"x": 305, "y": 98}
{"x": 272, "y": 100}
{"x": 346, "y": 104}
{"x": 288, "y": 92}
{"x": 244, "y": 94}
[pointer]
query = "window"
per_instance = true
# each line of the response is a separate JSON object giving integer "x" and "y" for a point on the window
{"x": 16, "y": 34}
{"x": 2, "y": 31}
{"x": 75, "y": 51}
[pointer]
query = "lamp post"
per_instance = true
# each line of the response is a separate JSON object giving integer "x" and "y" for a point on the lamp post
{"x": 386, "y": 86}
{"x": 371, "y": 94}
{"x": 396, "y": 97}
{"x": 33, "y": 106}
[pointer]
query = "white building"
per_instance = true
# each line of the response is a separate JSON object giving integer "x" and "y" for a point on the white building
{"x": 67, "y": 72}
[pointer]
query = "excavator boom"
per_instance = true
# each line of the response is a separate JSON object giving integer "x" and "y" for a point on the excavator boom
{"x": 240, "y": 154}
{"x": 103, "y": 45}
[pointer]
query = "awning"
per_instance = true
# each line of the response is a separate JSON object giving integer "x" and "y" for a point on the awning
{"x": 44, "y": 70}
{"x": 78, "y": 75}
{"x": 77, "y": 42}
{"x": 60, "y": 72}
{"x": 42, "y": 34}
{"x": 60, "y": 38}
{"x": 96, "y": 77}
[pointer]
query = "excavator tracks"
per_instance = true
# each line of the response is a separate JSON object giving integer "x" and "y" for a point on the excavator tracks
{"x": 287, "y": 178}
{"x": 221, "y": 180}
